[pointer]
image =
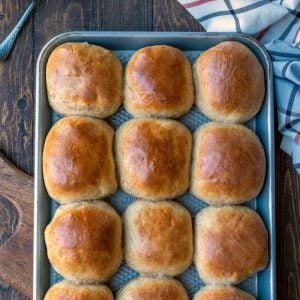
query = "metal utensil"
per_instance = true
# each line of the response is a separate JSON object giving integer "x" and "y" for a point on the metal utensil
{"x": 7, "y": 44}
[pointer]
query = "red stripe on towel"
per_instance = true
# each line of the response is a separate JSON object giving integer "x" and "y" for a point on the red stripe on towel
{"x": 196, "y": 3}
{"x": 297, "y": 36}
{"x": 262, "y": 33}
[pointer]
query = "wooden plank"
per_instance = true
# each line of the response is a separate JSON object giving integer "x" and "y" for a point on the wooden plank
{"x": 16, "y": 84}
{"x": 8, "y": 221}
{"x": 55, "y": 17}
{"x": 288, "y": 226}
{"x": 64, "y": 16}
{"x": 169, "y": 15}
{"x": 16, "y": 253}
{"x": 123, "y": 15}
{"x": 17, "y": 114}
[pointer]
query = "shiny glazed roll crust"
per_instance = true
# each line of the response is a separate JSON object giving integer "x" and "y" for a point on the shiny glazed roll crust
{"x": 153, "y": 158}
{"x": 158, "y": 82}
{"x": 78, "y": 161}
{"x": 231, "y": 244}
{"x": 222, "y": 293}
{"x": 229, "y": 164}
{"x": 229, "y": 83}
{"x": 84, "y": 241}
{"x": 146, "y": 288}
{"x": 84, "y": 79}
{"x": 66, "y": 290}
{"x": 158, "y": 237}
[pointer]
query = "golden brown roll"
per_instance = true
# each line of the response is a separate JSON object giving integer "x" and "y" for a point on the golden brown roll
{"x": 158, "y": 237}
{"x": 66, "y": 290}
{"x": 153, "y": 158}
{"x": 84, "y": 80}
{"x": 231, "y": 244}
{"x": 158, "y": 82}
{"x": 229, "y": 83}
{"x": 147, "y": 288}
{"x": 78, "y": 161}
{"x": 84, "y": 241}
{"x": 229, "y": 164}
{"x": 219, "y": 292}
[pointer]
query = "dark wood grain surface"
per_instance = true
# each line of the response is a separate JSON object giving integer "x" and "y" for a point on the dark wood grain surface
{"x": 17, "y": 105}
{"x": 16, "y": 253}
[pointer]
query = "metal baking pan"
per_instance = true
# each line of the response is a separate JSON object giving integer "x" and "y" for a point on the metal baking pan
{"x": 261, "y": 285}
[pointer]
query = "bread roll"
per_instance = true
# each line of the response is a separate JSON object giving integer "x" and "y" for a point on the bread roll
{"x": 229, "y": 164}
{"x": 229, "y": 83}
{"x": 78, "y": 162}
{"x": 144, "y": 288}
{"x": 219, "y": 292}
{"x": 84, "y": 79}
{"x": 158, "y": 82}
{"x": 66, "y": 290}
{"x": 153, "y": 158}
{"x": 158, "y": 237}
{"x": 231, "y": 244}
{"x": 84, "y": 241}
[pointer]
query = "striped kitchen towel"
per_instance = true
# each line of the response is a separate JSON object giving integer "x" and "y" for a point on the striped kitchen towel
{"x": 277, "y": 25}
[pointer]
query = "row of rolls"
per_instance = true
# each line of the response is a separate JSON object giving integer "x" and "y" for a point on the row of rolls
{"x": 84, "y": 242}
{"x": 155, "y": 160}
{"x": 226, "y": 82}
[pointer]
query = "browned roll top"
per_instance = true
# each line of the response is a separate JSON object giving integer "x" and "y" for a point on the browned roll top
{"x": 231, "y": 244}
{"x": 84, "y": 79}
{"x": 78, "y": 162}
{"x": 84, "y": 241}
{"x": 229, "y": 82}
{"x": 158, "y": 82}
{"x": 153, "y": 158}
{"x": 229, "y": 164}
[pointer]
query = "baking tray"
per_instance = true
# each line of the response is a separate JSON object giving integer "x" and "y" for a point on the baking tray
{"x": 124, "y": 44}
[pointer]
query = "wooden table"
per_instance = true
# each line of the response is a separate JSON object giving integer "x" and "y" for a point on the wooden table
{"x": 17, "y": 104}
